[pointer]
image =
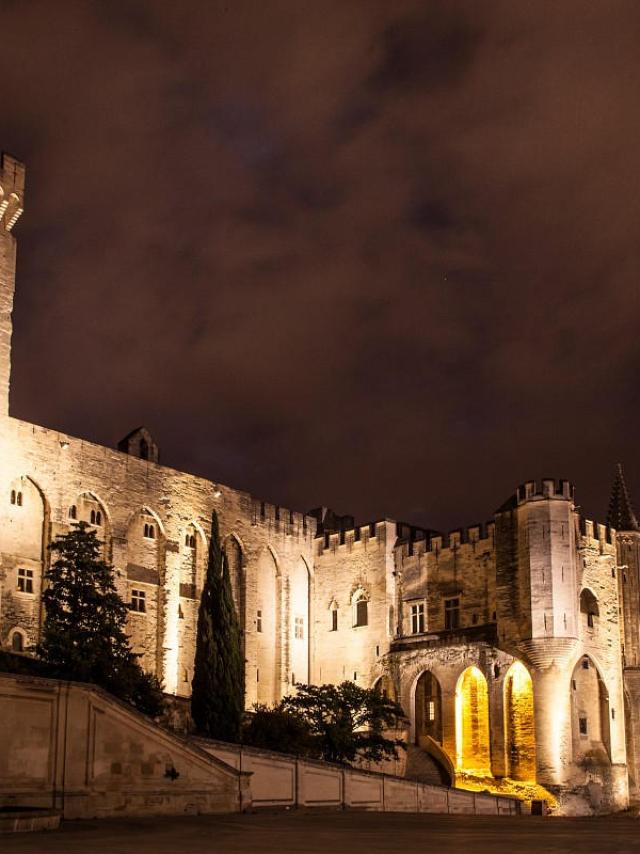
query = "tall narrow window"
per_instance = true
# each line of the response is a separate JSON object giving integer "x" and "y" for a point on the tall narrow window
{"x": 73, "y": 512}
{"x": 361, "y": 611}
{"x": 334, "y": 619}
{"x": 452, "y": 613}
{"x": 259, "y": 620}
{"x": 17, "y": 642}
{"x": 417, "y": 618}
{"x": 149, "y": 531}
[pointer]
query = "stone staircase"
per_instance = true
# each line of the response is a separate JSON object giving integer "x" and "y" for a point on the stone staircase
{"x": 424, "y": 768}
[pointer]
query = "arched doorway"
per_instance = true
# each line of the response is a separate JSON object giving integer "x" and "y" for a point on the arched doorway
{"x": 473, "y": 754}
{"x": 520, "y": 731}
{"x": 266, "y": 625}
{"x": 590, "y": 714}
{"x": 428, "y": 708}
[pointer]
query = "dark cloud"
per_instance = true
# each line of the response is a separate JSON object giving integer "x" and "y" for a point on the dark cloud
{"x": 378, "y": 255}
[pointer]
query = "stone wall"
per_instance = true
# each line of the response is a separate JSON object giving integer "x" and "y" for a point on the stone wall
{"x": 54, "y": 473}
{"x": 278, "y": 780}
{"x": 73, "y": 748}
{"x": 351, "y": 566}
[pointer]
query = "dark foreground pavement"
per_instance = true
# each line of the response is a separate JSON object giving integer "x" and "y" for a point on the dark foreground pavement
{"x": 335, "y": 833}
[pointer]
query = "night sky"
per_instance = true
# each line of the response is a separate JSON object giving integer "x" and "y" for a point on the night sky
{"x": 382, "y": 256}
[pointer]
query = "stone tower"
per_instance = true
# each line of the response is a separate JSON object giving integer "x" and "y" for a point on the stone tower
{"x": 537, "y": 606}
{"x": 622, "y": 518}
{"x": 11, "y": 205}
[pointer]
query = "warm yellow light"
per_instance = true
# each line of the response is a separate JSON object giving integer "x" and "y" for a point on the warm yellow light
{"x": 519, "y": 723}
{"x": 472, "y": 724}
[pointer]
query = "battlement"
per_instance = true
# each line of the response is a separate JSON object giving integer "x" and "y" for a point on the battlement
{"x": 12, "y": 178}
{"x": 596, "y": 531}
{"x": 548, "y": 487}
{"x": 437, "y": 543}
{"x": 289, "y": 522}
{"x": 356, "y": 536}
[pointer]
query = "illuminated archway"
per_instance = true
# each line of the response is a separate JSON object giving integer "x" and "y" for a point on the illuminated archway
{"x": 473, "y": 755}
{"x": 519, "y": 723}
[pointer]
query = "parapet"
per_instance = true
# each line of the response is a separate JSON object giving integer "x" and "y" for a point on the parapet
{"x": 289, "y": 522}
{"x": 473, "y": 536}
{"x": 596, "y": 531}
{"x": 12, "y": 177}
{"x": 548, "y": 487}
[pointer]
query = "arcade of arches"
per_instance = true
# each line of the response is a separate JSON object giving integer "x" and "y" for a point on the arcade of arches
{"x": 472, "y": 726}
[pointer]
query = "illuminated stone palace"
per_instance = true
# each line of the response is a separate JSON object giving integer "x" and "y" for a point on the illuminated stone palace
{"x": 513, "y": 646}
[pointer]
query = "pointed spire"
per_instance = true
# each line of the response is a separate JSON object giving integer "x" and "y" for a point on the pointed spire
{"x": 621, "y": 515}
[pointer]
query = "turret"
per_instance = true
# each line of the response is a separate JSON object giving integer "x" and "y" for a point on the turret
{"x": 536, "y": 569}
{"x": 11, "y": 204}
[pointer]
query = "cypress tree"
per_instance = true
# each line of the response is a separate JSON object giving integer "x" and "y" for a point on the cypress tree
{"x": 217, "y": 698}
{"x": 84, "y": 633}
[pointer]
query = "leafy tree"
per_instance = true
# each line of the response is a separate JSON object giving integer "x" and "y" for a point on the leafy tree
{"x": 84, "y": 635}
{"x": 277, "y": 729}
{"x": 217, "y": 698}
{"x": 346, "y": 721}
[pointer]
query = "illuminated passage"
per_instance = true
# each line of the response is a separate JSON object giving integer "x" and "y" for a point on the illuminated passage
{"x": 519, "y": 723}
{"x": 472, "y": 723}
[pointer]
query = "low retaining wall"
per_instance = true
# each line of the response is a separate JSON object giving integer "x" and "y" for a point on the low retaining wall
{"x": 279, "y": 780}
{"x": 75, "y": 749}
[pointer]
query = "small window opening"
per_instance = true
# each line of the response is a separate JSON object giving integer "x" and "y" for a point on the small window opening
{"x": 259, "y": 620}
{"x": 25, "y": 581}
{"x": 417, "y": 618}
{"x": 452, "y": 613}
{"x": 334, "y": 620}
{"x": 138, "y": 601}
{"x": 73, "y": 512}
{"x": 582, "y": 722}
{"x": 361, "y": 612}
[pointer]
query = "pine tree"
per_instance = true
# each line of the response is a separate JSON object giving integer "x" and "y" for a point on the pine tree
{"x": 84, "y": 635}
{"x": 217, "y": 699}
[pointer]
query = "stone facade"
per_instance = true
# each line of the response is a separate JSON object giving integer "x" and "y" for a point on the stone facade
{"x": 513, "y": 647}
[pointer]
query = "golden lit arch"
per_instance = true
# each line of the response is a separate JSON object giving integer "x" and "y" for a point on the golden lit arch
{"x": 519, "y": 725}
{"x": 473, "y": 755}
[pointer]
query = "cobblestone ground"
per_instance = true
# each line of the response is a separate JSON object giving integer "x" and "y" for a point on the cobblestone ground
{"x": 335, "y": 833}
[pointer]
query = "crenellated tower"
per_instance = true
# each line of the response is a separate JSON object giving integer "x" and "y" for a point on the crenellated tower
{"x": 12, "y": 174}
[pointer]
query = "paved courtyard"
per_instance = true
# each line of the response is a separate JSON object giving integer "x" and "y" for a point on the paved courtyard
{"x": 335, "y": 833}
